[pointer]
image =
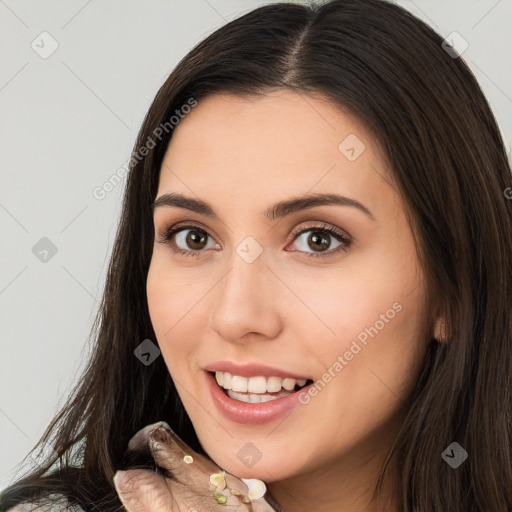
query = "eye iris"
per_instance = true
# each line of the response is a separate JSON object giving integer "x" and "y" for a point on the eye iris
{"x": 196, "y": 238}
{"x": 320, "y": 241}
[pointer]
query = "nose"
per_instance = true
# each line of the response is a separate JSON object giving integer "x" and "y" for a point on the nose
{"x": 246, "y": 302}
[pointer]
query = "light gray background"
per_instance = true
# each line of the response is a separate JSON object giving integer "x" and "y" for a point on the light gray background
{"x": 68, "y": 123}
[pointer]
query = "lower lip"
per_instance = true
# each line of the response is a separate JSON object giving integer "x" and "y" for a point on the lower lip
{"x": 247, "y": 413}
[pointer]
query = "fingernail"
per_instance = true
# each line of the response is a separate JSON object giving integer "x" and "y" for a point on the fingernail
{"x": 162, "y": 425}
{"x": 161, "y": 433}
{"x": 165, "y": 426}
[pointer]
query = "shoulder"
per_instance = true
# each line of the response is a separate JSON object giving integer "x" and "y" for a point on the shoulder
{"x": 52, "y": 503}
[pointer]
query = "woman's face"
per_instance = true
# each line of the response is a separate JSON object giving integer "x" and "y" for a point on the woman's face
{"x": 343, "y": 308}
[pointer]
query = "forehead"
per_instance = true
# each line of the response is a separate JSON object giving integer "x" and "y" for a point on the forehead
{"x": 264, "y": 147}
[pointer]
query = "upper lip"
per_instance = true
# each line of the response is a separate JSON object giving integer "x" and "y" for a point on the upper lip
{"x": 251, "y": 370}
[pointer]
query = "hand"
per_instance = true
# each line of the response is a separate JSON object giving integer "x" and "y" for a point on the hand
{"x": 198, "y": 485}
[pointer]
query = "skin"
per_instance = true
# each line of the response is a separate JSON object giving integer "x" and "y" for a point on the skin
{"x": 286, "y": 309}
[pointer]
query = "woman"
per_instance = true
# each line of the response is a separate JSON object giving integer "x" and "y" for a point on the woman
{"x": 310, "y": 284}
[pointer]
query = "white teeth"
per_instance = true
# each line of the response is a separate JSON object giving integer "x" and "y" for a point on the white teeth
{"x": 239, "y": 383}
{"x": 288, "y": 384}
{"x": 268, "y": 398}
{"x": 255, "y": 398}
{"x": 227, "y": 378}
{"x": 257, "y": 385}
{"x": 274, "y": 384}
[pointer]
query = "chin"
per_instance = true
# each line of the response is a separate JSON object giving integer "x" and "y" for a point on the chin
{"x": 268, "y": 473}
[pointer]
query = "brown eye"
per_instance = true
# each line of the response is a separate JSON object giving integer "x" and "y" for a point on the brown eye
{"x": 191, "y": 239}
{"x": 319, "y": 240}
{"x": 187, "y": 240}
{"x": 195, "y": 239}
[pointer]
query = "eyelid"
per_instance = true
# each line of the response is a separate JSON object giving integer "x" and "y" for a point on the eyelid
{"x": 342, "y": 236}
{"x": 345, "y": 240}
{"x": 320, "y": 225}
{"x": 168, "y": 227}
{"x": 166, "y": 233}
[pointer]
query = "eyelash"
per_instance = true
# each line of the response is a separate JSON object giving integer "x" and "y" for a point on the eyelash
{"x": 166, "y": 239}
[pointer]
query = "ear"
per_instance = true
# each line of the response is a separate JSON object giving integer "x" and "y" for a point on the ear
{"x": 440, "y": 329}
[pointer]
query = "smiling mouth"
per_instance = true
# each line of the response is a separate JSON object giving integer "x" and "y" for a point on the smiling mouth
{"x": 257, "y": 389}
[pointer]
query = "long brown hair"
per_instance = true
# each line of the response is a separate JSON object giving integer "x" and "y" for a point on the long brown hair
{"x": 443, "y": 145}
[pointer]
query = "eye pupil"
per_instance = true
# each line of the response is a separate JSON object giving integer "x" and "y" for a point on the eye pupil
{"x": 196, "y": 237}
{"x": 320, "y": 241}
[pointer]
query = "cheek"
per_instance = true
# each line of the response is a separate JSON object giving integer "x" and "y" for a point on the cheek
{"x": 340, "y": 303}
{"x": 170, "y": 293}
{"x": 382, "y": 342}
{"x": 369, "y": 311}
{"x": 177, "y": 309}
{"x": 159, "y": 300}
{"x": 166, "y": 308}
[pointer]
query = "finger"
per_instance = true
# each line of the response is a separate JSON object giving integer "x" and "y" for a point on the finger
{"x": 198, "y": 473}
{"x": 193, "y": 470}
{"x": 178, "y": 459}
{"x": 142, "y": 490}
{"x": 139, "y": 442}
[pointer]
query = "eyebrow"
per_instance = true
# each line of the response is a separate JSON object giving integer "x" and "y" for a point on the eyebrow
{"x": 278, "y": 210}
